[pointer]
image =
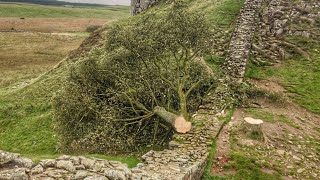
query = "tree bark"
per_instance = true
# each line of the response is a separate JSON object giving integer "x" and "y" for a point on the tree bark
{"x": 253, "y": 128}
{"x": 178, "y": 122}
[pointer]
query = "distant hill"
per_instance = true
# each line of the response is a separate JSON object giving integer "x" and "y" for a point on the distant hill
{"x": 52, "y": 2}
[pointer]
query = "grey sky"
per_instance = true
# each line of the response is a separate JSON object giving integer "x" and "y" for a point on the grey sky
{"x": 107, "y": 2}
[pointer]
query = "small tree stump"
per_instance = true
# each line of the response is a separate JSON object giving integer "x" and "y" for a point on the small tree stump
{"x": 253, "y": 128}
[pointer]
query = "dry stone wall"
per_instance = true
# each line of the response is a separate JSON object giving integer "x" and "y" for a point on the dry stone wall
{"x": 185, "y": 159}
{"x": 240, "y": 44}
{"x": 187, "y": 155}
{"x": 236, "y": 61}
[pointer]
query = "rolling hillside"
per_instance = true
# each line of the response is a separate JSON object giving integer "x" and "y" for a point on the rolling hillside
{"x": 280, "y": 86}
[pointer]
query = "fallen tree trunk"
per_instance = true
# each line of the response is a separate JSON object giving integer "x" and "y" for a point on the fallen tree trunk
{"x": 178, "y": 122}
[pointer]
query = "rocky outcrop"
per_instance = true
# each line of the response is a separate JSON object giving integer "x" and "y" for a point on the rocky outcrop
{"x": 281, "y": 22}
{"x": 138, "y": 6}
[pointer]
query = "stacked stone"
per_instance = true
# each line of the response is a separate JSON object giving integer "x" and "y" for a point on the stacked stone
{"x": 65, "y": 167}
{"x": 240, "y": 44}
{"x": 138, "y": 6}
{"x": 13, "y": 166}
{"x": 187, "y": 155}
{"x": 234, "y": 66}
{"x": 279, "y": 20}
{"x": 184, "y": 160}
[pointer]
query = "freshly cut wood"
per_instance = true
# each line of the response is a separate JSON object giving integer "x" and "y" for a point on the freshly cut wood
{"x": 253, "y": 128}
{"x": 253, "y": 121}
{"x": 181, "y": 125}
{"x": 178, "y": 122}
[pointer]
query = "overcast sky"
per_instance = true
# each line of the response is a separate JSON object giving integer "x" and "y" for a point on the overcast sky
{"x": 107, "y": 2}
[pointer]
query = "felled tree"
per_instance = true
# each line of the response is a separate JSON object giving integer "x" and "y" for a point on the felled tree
{"x": 143, "y": 85}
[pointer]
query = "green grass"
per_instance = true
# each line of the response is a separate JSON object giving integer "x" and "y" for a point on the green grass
{"x": 226, "y": 14}
{"x": 212, "y": 153}
{"x": 26, "y": 126}
{"x": 247, "y": 168}
{"x": 40, "y": 11}
{"x": 298, "y": 75}
{"x": 259, "y": 72}
{"x": 244, "y": 168}
{"x": 270, "y": 117}
{"x": 222, "y": 15}
{"x": 26, "y": 123}
{"x": 214, "y": 62}
{"x": 303, "y": 78}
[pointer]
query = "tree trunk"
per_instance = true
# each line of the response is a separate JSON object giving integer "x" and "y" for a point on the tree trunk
{"x": 178, "y": 122}
{"x": 253, "y": 128}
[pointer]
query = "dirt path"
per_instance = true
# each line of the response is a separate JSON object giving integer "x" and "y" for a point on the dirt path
{"x": 223, "y": 150}
{"x": 292, "y": 138}
{"x": 307, "y": 121}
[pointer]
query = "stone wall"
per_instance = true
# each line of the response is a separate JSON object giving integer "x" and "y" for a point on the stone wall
{"x": 240, "y": 44}
{"x": 187, "y": 155}
{"x": 185, "y": 159}
{"x": 138, "y": 6}
{"x": 237, "y": 58}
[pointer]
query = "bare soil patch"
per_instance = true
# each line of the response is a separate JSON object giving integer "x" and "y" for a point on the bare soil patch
{"x": 223, "y": 150}
{"x": 49, "y": 24}
{"x": 268, "y": 85}
{"x": 292, "y": 138}
{"x": 306, "y": 120}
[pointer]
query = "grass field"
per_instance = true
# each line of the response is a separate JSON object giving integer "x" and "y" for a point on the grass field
{"x": 45, "y": 37}
{"x": 41, "y": 11}
{"x": 298, "y": 75}
{"x": 25, "y": 55}
{"x": 50, "y": 24}
{"x": 26, "y": 124}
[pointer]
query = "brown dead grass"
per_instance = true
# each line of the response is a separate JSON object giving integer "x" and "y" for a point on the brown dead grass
{"x": 49, "y": 24}
{"x": 26, "y": 55}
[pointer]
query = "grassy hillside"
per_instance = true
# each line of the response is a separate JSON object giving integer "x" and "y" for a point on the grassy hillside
{"x": 300, "y": 76}
{"x": 26, "y": 124}
{"x": 40, "y": 11}
{"x": 49, "y": 2}
{"x": 25, "y": 55}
